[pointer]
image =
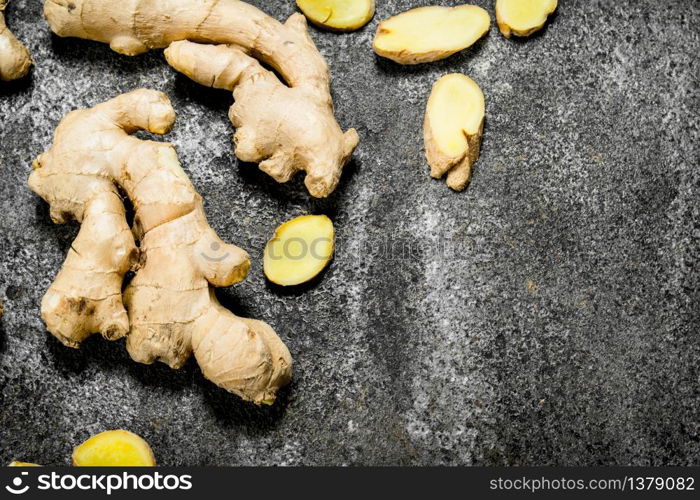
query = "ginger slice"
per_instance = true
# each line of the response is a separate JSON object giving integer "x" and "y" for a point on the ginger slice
{"x": 116, "y": 448}
{"x": 300, "y": 249}
{"x": 522, "y": 17}
{"x": 454, "y": 121}
{"x": 22, "y": 464}
{"x": 431, "y": 33}
{"x": 338, "y": 15}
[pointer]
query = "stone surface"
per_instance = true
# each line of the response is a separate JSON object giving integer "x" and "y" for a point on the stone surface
{"x": 547, "y": 315}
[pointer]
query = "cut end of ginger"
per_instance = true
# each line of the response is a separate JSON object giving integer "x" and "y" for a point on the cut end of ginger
{"x": 116, "y": 448}
{"x": 523, "y": 17}
{"x": 454, "y": 120}
{"x": 338, "y": 15}
{"x": 300, "y": 249}
{"x": 427, "y": 34}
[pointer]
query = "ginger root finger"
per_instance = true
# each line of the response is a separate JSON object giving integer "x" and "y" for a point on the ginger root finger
{"x": 118, "y": 448}
{"x": 305, "y": 137}
{"x": 523, "y": 17}
{"x": 172, "y": 309}
{"x": 141, "y": 25}
{"x": 454, "y": 121}
{"x": 15, "y": 59}
{"x": 338, "y": 15}
{"x": 427, "y": 34}
{"x": 299, "y": 250}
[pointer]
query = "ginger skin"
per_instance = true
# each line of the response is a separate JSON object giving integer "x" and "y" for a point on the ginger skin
{"x": 15, "y": 60}
{"x": 172, "y": 309}
{"x": 427, "y": 34}
{"x": 259, "y": 95}
{"x": 268, "y": 132}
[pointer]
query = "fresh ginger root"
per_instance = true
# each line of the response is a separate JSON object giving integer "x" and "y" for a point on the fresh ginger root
{"x": 300, "y": 249}
{"x": 522, "y": 17}
{"x": 172, "y": 309}
{"x": 263, "y": 134}
{"x": 116, "y": 448}
{"x": 427, "y": 34}
{"x": 286, "y": 130}
{"x": 454, "y": 122}
{"x": 338, "y": 15}
{"x": 15, "y": 60}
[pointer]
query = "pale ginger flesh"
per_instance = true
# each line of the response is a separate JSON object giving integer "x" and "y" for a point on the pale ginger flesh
{"x": 299, "y": 250}
{"x": 117, "y": 448}
{"x": 523, "y": 17}
{"x": 172, "y": 309}
{"x": 427, "y": 34}
{"x": 290, "y": 131}
{"x": 15, "y": 60}
{"x": 338, "y": 15}
{"x": 454, "y": 122}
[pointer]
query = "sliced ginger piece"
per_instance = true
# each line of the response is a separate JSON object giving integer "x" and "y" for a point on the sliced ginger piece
{"x": 116, "y": 448}
{"x": 431, "y": 33}
{"x": 23, "y": 464}
{"x": 338, "y": 15}
{"x": 523, "y": 17}
{"x": 300, "y": 249}
{"x": 454, "y": 121}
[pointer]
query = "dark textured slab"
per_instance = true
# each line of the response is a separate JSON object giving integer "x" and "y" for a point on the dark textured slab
{"x": 547, "y": 315}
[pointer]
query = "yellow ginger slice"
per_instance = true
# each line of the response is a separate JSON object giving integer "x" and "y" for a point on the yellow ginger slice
{"x": 431, "y": 33}
{"x": 338, "y": 15}
{"x": 522, "y": 17}
{"x": 300, "y": 249}
{"x": 116, "y": 448}
{"x": 454, "y": 121}
{"x": 23, "y": 464}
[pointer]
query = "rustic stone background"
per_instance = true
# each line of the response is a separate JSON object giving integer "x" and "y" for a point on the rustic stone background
{"x": 547, "y": 315}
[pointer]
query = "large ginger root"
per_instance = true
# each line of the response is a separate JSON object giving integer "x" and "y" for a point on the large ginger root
{"x": 264, "y": 134}
{"x": 172, "y": 309}
{"x": 286, "y": 130}
{"x": 338, "y": 15}
{"x": 522, "y": 17}
{"x": 118, "y": 448}
{"x": 15, "y": 60}
{"x": 300, "y": 249}
{"x": 427, "y": 34}
{"x": 454, "y": 122}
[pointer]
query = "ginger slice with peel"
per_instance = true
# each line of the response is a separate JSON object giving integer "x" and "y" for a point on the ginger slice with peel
{"x": 427, "y": 34}
{"x": 338, "y": 15}
{"x": 522, "y": 17}
{"x": 454, "y": 121}
{"x": 300, "y": 249}
{"x": 116, "y": 448}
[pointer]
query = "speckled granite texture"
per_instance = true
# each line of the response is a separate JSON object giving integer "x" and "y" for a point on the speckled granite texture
{"x": 547, "y": 315}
